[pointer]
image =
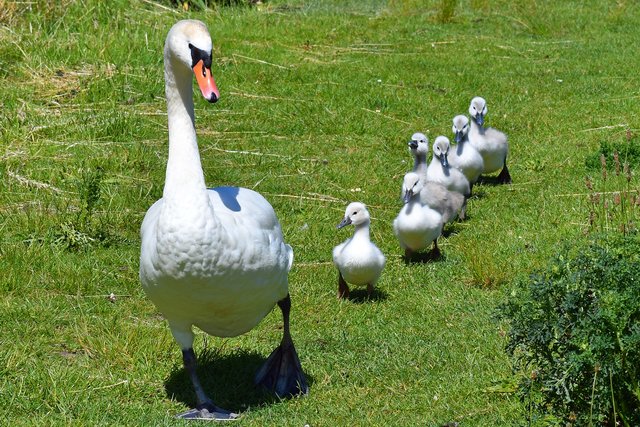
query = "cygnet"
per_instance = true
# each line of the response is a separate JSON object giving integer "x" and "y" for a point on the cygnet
{"x": 464, "y": 156}
{"x": 490, "y": 143}
{"x": 417, "y": 225}
{"x": 448, "y": 203}
{"x": 358, "y": 260}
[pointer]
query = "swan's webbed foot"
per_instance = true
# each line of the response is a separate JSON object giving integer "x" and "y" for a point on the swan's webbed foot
{"x": 205, "y": 409}
{"x": 282, "y": 372}
{"x": 504, "y": 177}
{"x": 208, "y": 411}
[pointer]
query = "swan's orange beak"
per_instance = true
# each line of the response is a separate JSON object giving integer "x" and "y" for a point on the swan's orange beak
{"x": 207, "y": 85}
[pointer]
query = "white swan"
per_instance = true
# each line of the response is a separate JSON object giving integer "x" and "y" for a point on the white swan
{"x": 358, "y": 260}
{"x": 417, "y": 225}
{"x": 448, "y": 203}
{"x": 490, "y": 143}
{"x": 216, "y": 258}
{"x": 463, "y": 155}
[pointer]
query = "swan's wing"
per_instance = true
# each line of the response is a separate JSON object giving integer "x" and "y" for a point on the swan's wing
{"x": 248, "y": 217}
{"x": 337, "y": 251}
{"x": 147, "y": 237}
{"x": 495, "y": 135}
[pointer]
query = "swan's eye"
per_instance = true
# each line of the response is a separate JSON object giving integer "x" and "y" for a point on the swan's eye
{"x": 198, "y": 54}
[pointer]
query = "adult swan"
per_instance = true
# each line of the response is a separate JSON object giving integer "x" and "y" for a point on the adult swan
{"x": 212, "y": 258}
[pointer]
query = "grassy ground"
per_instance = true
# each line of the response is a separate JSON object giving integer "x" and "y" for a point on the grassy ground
{"x": 318, "y": 101}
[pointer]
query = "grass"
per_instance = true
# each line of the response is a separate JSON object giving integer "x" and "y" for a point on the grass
{"x": 318, "y": 101}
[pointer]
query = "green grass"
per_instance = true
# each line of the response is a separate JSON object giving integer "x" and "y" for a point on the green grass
{"x": 318, "y": 101}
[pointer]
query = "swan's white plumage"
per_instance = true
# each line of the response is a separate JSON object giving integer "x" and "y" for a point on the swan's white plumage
{"x": 440, "y": 171}
{"x": 213, "y": 258}
{"x": 222, "y": 274}
{"x": 434, "y": 194}
{"x": 417, "y": 225}
{"x": 464, "y": 156}
{"x": 490, "y": 143}
{"x": 359, "y": 260}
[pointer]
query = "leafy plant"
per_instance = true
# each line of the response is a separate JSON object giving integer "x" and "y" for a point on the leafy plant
{"x": 89, "y": 191}
{"x": 575, "y": 334}
{"x": 84, "y": 229}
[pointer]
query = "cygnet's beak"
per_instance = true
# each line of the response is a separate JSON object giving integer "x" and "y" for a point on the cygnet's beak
{"x": 344, "y": 222}
{"x": 458, "y": 136}
{"x": 479, "y": 119}
{"x": 444, "y": 161}
{"x": 408, "y": 194}
{"x": 413, "y": 144}
{"x": 207, "y": 85}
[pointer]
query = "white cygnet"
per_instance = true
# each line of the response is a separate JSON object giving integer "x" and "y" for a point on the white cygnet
{"x": 440, "y": 170}
{"x": 358, "y": 260}
{"x": 448, "y": 203}
{"x": 417, "y": 225}
{"x": 464, "y": 156}
{"x": 490, "y": 143}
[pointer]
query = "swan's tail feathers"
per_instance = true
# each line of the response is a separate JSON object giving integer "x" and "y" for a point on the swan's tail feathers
{"x": 282, "y": 372}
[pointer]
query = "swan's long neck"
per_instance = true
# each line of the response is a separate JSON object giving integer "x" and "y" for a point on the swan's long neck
{"x": 475, "y": 129}
{"x": 184, "y": 177}
{"x": 463, "y": 141}
{"x": 361, "y": 232}
{"x": 420, "y": 166}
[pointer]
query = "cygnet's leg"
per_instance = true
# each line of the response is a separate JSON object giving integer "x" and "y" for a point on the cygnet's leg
{"x": 435, "y": 252}
{"x": 205, "y": 408}
{"x": 369, "y": 289}
{"x": 343, "y": 288}
{"x": 408, "y": 253}
{"x": 505, "y": 176}
{"x": 282, "y": 372}
{"x": 463, "y": 211}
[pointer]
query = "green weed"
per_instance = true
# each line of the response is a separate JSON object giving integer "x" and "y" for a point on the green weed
{"x": 574, "y": 332}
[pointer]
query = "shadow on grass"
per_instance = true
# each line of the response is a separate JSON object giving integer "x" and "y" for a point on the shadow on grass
{"x": 424, "y": 257}
{"x": 453, "y": 228}
{"x": 227, "y": 379}
{"x": 361, "y": 296}
{"x": 478, "y": 193}
{"x": 489, "y": 180}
